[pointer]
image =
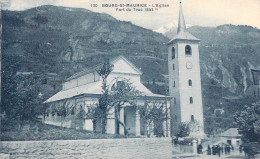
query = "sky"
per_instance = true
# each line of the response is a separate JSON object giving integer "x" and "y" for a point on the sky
{"x": 196, "y": 12}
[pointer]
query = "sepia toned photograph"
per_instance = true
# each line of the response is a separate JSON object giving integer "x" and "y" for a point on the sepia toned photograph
{"x": 130, "y": 79}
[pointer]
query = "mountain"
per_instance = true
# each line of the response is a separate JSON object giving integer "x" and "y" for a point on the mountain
{"x": 62, "y": 40}
{"x": 76, "y": 40}
{"x": 170, "y": 29}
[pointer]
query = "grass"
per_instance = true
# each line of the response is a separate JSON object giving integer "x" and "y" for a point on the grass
{"x": 35, "y": 130}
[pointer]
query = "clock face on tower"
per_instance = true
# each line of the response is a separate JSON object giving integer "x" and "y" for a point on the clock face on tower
{"x": 189, "y": 65}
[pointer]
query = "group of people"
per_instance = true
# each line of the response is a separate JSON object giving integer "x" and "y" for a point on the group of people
{"x": 219, "y": 150}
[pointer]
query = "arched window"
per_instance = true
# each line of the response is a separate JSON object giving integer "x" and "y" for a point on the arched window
{"x": 173, "y": 53}
{"x": 173, "y": 67}
{"x": 173, "y": 83}
{"x": 191, "y": 100}
{"x": 187, "y": 50}
{"x": 175, "y": 100}
{"x": 190, "y": 82}
{"x": 175, "y": 117}
{"x": 192, "y": 118}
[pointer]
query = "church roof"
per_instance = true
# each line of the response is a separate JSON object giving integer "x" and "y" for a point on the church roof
{"x": 181, "y": 24}
{"x": 95, "y": 88}
{"x": 98, "y": 66}
{"x": 182, "y": 34}
{"x": 138, "y": 71}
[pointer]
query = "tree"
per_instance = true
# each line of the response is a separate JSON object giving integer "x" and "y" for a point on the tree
{"x": 146, "y": 113}
{"x": 248, "y": 122}
{"x": 184, "y": 130}
{"x": 64, "y": 108}
{"x": 122, "y": 91}
{"x": 153, "y": 111}
{"x": 104, "y": 100}
{"x": 28, "y": 95}
{"x": 10, "y": 65}
{"x": 23, "y": 98}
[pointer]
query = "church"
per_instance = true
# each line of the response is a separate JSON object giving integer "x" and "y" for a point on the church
{"x": 83, "y": 90}
{"x": 183, "y": 105}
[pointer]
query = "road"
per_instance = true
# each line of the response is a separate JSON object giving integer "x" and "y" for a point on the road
{"x": 233, "y": 155}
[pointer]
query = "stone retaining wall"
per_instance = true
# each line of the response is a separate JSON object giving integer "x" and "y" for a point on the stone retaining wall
{"x": 87, "y": 149}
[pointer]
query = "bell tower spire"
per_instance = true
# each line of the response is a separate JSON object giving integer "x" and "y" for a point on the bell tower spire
{"x": 185, "y": 81}
{"x": 181, "y": 24}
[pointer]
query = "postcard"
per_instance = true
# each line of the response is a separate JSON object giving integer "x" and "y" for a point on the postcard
{"x": 130, "y": 79}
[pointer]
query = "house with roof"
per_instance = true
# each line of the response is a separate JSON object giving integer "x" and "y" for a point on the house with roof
{"x": 84, "y": 89}
{"x": 231, "y": 137}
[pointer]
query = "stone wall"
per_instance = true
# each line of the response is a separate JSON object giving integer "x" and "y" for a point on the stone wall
{"x": 97, "y": 148}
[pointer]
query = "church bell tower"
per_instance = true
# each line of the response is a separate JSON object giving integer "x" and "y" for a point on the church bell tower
{"x": 184, "y": 80}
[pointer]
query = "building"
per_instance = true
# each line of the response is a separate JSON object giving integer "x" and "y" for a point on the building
{"x": 83, "y": 90}
{"x": 231, "y": 137}
{"x": 184, "y": 79}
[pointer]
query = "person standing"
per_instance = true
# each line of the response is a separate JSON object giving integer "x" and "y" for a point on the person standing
{"x": 218, "y": 150}
{"x": 199, "y": 149}
{"x": 240, "y": 149}
{"x": 228, "y": 149}
{"x": 214, "y": 150}
{"x": 209, "y": 150}
{"x": 221, "y": 149}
